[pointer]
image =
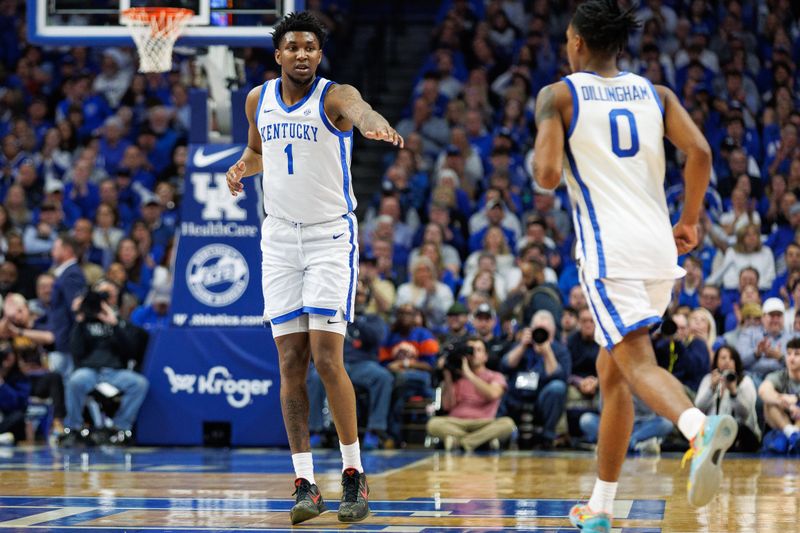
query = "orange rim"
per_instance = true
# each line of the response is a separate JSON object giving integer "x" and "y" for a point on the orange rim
{"x": 149, "y": 14}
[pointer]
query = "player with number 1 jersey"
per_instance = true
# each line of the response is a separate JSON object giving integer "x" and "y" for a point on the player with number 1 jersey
{"x": 301, "y": 139}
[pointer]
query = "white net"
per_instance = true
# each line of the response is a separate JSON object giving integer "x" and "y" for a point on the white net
{"x": 154, "y": 30}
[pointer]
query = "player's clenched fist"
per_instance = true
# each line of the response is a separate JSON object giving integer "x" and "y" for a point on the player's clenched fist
{"x": 234, "y": 177}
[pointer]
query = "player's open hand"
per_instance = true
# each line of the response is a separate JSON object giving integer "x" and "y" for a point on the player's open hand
{"x": 385, "y": 133}
{"x": 234, "y": 177}
{"x": 685, "y": 236}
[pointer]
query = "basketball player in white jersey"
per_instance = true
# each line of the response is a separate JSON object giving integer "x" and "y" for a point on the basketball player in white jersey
{"x": 606, "y": 128}
{"x": 301, "y": 139}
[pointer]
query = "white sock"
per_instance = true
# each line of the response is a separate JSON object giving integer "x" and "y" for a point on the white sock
{"x": 602, "y": 500}
{"x": 304, "y": 466}
{"x": 789, "y": 430}
{"x": 351, "y": 456}
{"x": 690, "y": 422}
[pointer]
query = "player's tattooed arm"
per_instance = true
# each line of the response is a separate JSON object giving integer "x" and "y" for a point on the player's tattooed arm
{"x": 548, "y": 153}
{"x": 545, "y": 105}
{"x": 345, "y": 102}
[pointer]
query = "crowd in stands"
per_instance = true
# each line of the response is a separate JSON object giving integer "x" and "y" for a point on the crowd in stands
{"x": 462, "y": 239}
{"x": 462, "y": 258}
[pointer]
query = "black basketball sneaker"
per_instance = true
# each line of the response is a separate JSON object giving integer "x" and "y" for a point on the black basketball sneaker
{"x": 308, "y": 502}
{"x": 355, "y": 496}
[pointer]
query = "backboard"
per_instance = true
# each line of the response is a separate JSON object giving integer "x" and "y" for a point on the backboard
{"x": 96, "y": 22}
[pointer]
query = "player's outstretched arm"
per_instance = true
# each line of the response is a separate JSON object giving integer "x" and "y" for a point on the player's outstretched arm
{"x": 250, "y": 163}
{"x": 687, "y": 137}
{"x": 548, "y": 152}
{"x": 345, "y": 106}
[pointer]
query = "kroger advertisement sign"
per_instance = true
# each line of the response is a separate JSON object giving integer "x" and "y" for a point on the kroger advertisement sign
{"x": 212, "y": 375}
{"x": 218, "y": 263}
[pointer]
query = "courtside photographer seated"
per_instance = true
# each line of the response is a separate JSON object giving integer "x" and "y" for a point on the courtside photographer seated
{"x": 101, "y": 345}
{"x": 538, "y": 367}
{"x": 471, "y": 394}
{"x": 727, "y": 390}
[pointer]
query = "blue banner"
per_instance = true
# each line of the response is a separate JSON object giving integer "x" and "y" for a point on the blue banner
{"x": 218, "y": 261}
{"x": 212, "y": 375}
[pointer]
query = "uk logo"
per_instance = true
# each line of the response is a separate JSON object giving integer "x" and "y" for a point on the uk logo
{"x": 218, "y": 203}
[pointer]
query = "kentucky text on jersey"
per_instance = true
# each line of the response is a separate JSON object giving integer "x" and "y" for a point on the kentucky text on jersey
{"x": 626, "y": 93}
{"x": 289, "y": 130}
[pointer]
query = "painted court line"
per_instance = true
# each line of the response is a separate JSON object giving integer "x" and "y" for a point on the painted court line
{"x": 47, "y": 516}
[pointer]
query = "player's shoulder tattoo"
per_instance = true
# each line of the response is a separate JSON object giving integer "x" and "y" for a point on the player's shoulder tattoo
{"x": 545, "y": 104}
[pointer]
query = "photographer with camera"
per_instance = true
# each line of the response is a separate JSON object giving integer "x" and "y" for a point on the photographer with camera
{"x": 537, "y": 368}
{"x": 727, "y": 390}
{"x": 681, "y": 354}
{"x": 471, "y": 395}
{"x": 101, "y": 348}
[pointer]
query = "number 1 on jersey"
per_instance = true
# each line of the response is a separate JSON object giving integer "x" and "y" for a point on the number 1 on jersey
{"x": 288, "y": 151}
{"x": 614, "y": 116}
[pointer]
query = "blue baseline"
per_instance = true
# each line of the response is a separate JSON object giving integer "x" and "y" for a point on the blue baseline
{"x": 488, "y": 508}
{"x": 199, "y": 460}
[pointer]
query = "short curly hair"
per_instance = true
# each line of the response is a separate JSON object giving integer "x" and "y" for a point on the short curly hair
{"x": 303, "y": 21}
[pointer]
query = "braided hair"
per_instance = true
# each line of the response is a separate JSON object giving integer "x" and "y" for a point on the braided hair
{"x": 604, "y": 25}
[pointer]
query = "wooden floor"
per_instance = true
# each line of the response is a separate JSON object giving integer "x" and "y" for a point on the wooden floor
{"x": 250, "y": 490}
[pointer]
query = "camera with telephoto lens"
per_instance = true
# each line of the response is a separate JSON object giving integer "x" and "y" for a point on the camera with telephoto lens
{"x": 92, "y": 304}
{"x": 454, "y": 354}
{"x": 668, "y": 327}
{"x": 729, "y": 375}
{"x": 540, "y": 335}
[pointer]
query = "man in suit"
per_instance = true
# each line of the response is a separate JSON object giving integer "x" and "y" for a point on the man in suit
{"x": 70, "y": 283}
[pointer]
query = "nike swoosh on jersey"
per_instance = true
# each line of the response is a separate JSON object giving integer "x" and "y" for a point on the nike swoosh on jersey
{"x": 202, "y": 159}
{"x": 337, "y": 322}
{"x": 268, "y": 111}
{"x": 337, "y": 236}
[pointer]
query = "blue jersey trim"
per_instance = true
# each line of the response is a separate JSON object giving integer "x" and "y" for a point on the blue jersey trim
{"x": 352, "y": 267}
{"x": 318, "y": 311}
{"x": 331, "y": 128}
{"x": 609, "y": 305}
{"x": 655, "y": 95}
{"x": 287, "y": 317}
{"x": 299, "y": 104}
{"x": 609, "y": 342}
{"x": 593, "y": 73}
{"x": 345, "y": 173}
{"x": 649, "y": 321}
{"x": 580, "y": 229}
{"x": 575, "y": 107}
{"x": 601, "y": 260}
{"x": 260, "y": 101}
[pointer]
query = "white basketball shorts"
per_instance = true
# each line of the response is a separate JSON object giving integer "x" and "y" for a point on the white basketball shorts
{"x": 309, "y": 270}
{"x": 620, "y": 306}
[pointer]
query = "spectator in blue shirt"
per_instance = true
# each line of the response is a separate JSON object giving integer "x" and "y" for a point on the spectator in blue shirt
{"x": 156, "y": 315}
{"x": 14, "y": 391}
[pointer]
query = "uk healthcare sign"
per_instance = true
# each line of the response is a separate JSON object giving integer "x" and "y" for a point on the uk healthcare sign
{"x": 218, "y": 262}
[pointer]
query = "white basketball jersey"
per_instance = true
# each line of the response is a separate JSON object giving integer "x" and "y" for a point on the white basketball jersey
{"x": 306, "y": 159}
{"x": 615, "y": 173}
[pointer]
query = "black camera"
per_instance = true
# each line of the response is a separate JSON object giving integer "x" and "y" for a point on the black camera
{"x": 540, "y": 335}
{"x": 729, "y": 376}
{"x": 92, "y": 304}
{"x": 669, "y": 327}
{"x": 454, "y": 354}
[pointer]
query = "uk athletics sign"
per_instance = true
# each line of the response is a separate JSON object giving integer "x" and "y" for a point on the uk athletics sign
{"x": 218, "y": 262}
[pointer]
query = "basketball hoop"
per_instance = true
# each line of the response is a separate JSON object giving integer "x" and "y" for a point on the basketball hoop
{"x": 155, "y": 30}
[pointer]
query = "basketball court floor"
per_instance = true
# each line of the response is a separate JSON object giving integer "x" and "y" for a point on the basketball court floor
{"x": 190, "y": 489}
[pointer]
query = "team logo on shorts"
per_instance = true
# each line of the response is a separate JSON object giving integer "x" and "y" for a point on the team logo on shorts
{"x": 217, "y": 275}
